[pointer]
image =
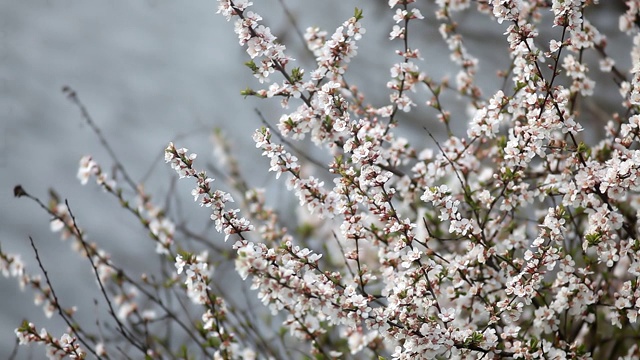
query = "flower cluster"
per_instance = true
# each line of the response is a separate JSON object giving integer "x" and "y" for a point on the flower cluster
{"x": 65, "y": 347}
{"x": 88, "y": 168}
{"x": 198, "y": 274}
{"x": 260, "y": 42}
{"x": 226, "y": 220}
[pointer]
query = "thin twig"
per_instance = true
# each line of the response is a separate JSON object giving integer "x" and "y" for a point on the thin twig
{"x": 121, "y": 327}
{"x": 57, "y": 305}
{"x": 73, "y": 97}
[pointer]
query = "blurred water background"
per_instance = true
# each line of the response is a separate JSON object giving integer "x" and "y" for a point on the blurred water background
{"x": 151, "y": 72}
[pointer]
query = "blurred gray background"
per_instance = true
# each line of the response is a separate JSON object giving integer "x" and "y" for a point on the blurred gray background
{"x": 151, "y": 72}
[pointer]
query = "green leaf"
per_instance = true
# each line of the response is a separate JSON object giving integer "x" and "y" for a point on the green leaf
{"x": 358, "y": 14}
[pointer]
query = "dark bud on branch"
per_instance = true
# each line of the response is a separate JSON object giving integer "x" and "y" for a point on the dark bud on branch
{"x": 18, "y": 191}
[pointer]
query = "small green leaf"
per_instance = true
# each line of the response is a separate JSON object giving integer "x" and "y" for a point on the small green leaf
{"x": 358, "y": 14}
